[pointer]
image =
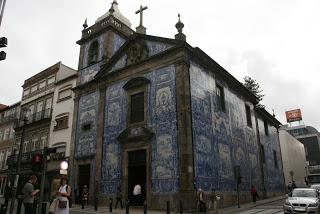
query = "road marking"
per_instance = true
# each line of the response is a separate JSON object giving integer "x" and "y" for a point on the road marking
{"x": 253, "y": 211}
{"x": 270, "y": 211}
{"x": 262, "y": 211}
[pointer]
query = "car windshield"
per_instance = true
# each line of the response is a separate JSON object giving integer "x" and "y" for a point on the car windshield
{"x": 304, "y": 193}
{"x": 315, "y": 187}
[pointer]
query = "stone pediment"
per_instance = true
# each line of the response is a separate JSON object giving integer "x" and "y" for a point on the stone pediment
{"x": 137, "y": 49}
{"x": 135, "y": 134}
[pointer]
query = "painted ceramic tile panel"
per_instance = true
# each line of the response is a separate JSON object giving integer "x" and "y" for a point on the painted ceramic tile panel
{"x": 153, "y": 49}
{"x": 157, "y": 47}
{"x": 161, "y": 119}
{"x": 118, "y": 41}
{"x": 221, "y": 139}
{"x": 87, "y": 74}
{"x": 87, "y": 115}
{"x": 101, "y": 52}
{"x": 271, "y": 144}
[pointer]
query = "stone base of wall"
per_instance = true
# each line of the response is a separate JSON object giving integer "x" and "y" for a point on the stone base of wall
{"x": 188, "y": 198}
{"x": 159, "y": 202}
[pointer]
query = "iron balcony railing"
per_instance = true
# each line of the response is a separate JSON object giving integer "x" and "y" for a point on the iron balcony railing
{"x": 9, "y": 118}
{"x": 41, "y": 115}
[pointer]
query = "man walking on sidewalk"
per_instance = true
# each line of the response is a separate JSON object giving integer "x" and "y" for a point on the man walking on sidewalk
{"x": 28, "y": 194}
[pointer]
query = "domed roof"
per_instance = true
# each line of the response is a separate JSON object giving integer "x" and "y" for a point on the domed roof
{"x": 114, "y": 11}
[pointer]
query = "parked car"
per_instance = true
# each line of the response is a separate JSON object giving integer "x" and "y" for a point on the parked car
{"x": 302, "y": 200}
{"x": 315, "y": 186}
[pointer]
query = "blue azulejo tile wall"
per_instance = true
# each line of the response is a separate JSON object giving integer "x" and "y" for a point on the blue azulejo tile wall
{"x": 88, "y": 72}
{"x": 221, "y": 140}
{"x": 162, "y": 120}
{"x": 273, "y": 173}
{"x": 87, "y": 125}
{"x": 154, "y": 48}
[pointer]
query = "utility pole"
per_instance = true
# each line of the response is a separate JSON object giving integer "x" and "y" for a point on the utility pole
{"x": 16, "y": 180}
{"x": 2, "y": 4}
{"x": 46, "y": 151}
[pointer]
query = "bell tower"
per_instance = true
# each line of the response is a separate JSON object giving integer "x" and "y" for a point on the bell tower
{"x": 101, "y": 40}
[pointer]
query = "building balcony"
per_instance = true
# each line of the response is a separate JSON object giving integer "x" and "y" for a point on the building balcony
{"x": 38, "y": 116}
{"x": 10, "y": 118}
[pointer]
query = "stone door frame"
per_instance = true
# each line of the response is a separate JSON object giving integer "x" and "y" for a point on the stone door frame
{"x": 135, "y": 146}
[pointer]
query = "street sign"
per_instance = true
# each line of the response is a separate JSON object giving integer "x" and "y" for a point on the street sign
{"x": 63, "y": 172}
{"x": 293, "y": 115}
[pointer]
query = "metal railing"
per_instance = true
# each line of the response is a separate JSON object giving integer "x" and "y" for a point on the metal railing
{"x": 44, "y": 114}
{"x": 9, "y": 118}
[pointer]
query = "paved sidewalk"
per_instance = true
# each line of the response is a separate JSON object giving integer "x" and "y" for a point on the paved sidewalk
{"x": 76, "y": 209}
{"x": 246, "y": 206}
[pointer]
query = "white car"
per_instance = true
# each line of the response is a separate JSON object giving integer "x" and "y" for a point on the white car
{"x": 302, "y": 200}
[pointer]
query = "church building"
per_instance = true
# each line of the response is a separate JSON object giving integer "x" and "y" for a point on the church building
{"x": 160, "y": 113}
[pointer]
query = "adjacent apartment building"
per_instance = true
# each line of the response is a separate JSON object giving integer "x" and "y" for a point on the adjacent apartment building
{"x": 46, "y": 119}
{"x": 8, "y": 118}
{"x": 293, "y": 159}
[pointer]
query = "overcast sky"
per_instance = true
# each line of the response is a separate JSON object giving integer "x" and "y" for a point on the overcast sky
{"x": 275, "y": 42}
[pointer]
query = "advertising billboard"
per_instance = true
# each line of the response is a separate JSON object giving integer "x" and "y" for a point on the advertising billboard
{"x": 293, "y": 115}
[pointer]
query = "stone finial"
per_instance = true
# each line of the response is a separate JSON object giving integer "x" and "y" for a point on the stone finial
{"x": 112, "y": 10}
{"x": 85, "y": 25}
{"x": 179, "y": 26}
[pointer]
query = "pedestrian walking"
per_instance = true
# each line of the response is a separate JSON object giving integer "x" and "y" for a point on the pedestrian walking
{"x": 85, "y": 195}
{"x": 214, "y": 202}
{"x": 202, "y": 200}
{"x": 294, "y": 185}
{"x": 289, "y": 187}
{"x": 63, "y": 195}
{"x": 28, "y": 194}
{"x": 136, "y": 195}
{"x": 7, "y": 193}
{"x": 254, "y": 193}
{"x": 118, "y": 197}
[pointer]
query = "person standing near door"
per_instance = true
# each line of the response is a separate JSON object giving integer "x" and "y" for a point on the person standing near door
{"x": 85, "y": 195}
{"x": 118, "y": 197}
{"x": 136, "y": 194}
{"x": 28, "y": 194}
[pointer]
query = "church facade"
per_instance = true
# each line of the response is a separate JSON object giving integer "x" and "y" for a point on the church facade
{"x": 159, "y": 113}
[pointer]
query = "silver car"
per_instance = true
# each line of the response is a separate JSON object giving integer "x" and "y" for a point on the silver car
{"x": 302, "y": 200}
{"x": 315, "y": 186}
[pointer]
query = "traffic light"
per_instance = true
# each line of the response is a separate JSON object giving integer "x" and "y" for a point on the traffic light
{"x": 37, "y": 162}
{"x": 3, "y": 43}
{"x": 239, "y": 180}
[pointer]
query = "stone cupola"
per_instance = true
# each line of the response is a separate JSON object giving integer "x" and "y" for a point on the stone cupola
{"x": 114, "y": 11}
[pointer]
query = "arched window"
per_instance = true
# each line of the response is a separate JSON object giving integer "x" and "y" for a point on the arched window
{"x": 93, "y": 53}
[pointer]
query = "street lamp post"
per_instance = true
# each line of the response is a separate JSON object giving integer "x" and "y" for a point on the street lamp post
{"x": 16, "y": 180}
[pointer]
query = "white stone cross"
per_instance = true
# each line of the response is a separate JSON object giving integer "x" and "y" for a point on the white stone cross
{"x": 141, "y": 13}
